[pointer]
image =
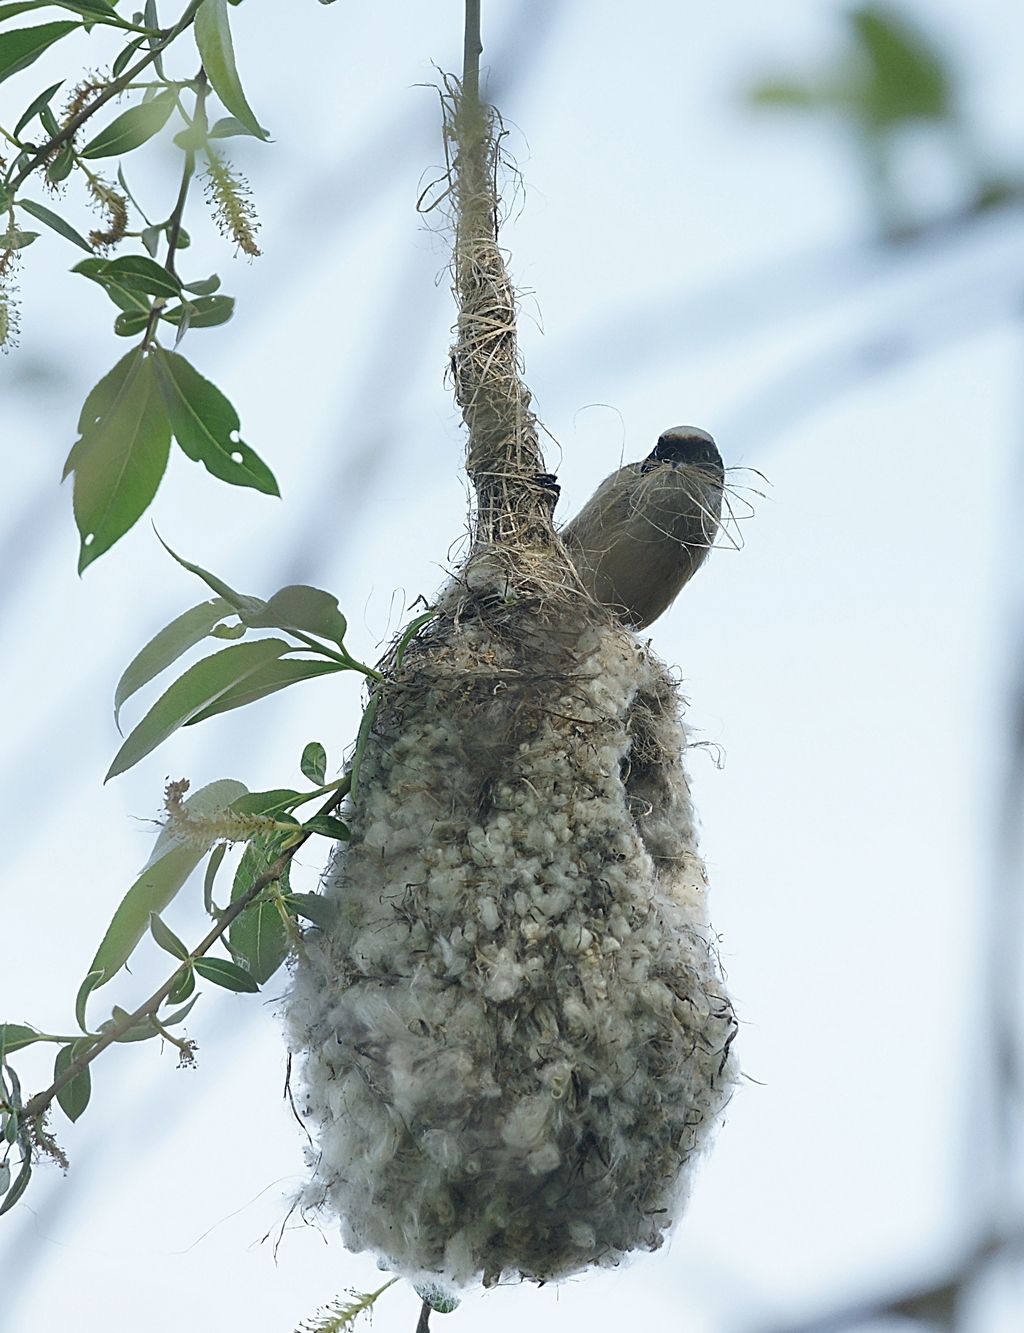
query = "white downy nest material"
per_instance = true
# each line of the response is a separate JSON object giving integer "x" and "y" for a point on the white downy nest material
{"x": 514, "y": 1038}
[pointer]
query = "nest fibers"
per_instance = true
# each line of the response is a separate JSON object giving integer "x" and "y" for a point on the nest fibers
{"x": 515, "y": 1040}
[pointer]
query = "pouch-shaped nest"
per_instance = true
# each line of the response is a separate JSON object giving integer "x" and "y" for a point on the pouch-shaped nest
{"x": 514, "y": 1036}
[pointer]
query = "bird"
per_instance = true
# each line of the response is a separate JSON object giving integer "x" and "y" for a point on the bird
{"x": 648, "y": 527}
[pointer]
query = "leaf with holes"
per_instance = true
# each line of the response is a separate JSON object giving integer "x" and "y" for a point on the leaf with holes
{"x": 205, "y": 425}
{"x": 121, "y": 455}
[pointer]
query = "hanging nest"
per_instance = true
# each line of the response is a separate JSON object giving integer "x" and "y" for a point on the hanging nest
{"x": 514, "y": 1037}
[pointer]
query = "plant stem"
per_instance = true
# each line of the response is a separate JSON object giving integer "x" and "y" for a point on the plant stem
{"x": 472, "y": 49}
{"x": 38, "y": 1104}
{"x": 112, "y": 90}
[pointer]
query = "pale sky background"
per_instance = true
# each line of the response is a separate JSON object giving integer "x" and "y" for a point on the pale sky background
{"x": 682, "y": 261}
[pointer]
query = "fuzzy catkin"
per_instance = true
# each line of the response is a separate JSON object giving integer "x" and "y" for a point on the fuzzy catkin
{"x": 514, "y": 1039}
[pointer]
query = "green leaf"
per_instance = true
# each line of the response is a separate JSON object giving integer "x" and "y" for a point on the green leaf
{"x": 18, "y": 49}
{"x": 144, "y": 1030}
{"x": 121, "y": 456}
{"x": 213, "y": 38}
{"x": 13, "y": 239}
{"x": 125, "y": 298}
{"x": 223, "y": 973}
{"x": 213, "y": 865}
{"x": 125, "y": 55}
{"x": 910, "y": 79}
{"x": 314, "y": 763}
{"x": 180, "y": 991}
{"x": 263, "y": 680}
{"x": 166, "y": 647}
{"x": 194, "y": 695}
{"x": 36, "y": 105}
{"x": 132, "y": 273}
{"x": 131, "y": 128}
{"x": 783, "y": 94}
{"x": 129, "y": 324}
{"x": 13, "y": 1036}
{"x": 328, "y": 827}
{"x": 243, "y": 604}
{"x": 60, "y": 168}
{"x": 19, "y": 1186}
{"x": 166, "y": 938}
{"x": 181, "y": 1014}
{"x": 73, "y": 1097}
{"x": 205, "y": 425}
{"x": 229, "y": 127}
{"x": 299, "y": 607}
{"x": 51, "y": 219}
{"x": 266, "y": 802}
{"x": 313, "y": 906}
{"x": 82, "y": 999}
{"x": 259, "y": 936}
{"x": 204, "y": 287}
{"x": 230, "y": 632}
{"x": 172, "y": 861}
{"x": 5, "y": 1176}
{"x": 205, "y": 312}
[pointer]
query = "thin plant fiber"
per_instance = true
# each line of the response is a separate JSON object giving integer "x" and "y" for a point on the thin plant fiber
{"x": 513, "y": 1036}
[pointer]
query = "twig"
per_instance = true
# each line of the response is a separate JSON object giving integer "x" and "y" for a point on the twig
{"x": 423, "y": 1324}
{"x": 38, "y": 1104}
{"x": 112, "y": 90}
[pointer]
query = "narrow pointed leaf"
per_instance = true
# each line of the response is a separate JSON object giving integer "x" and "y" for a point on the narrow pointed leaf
{"x": 19, "y": 48}
{"x": 172, "y": 861}
{"x": 226, "y": 974}
{"x": 213, "y": 38}
{"x": 82, "y": 999}
{"x": 245, "y": 606}
{"x": 120, "y": 458}
{"x": 213, "y": 865}
{"x": 167, "y": 646}
{"x": 195, "y": 695}
{"x": 266, "y": 679}
{"x": 166, "y": 938}
{"x": 36, "y": 105}
{"x": 131, "y": 128}
{"x": 56, "y": 222}
{"x": 73, "y": 1097}
{"x": 205, "y": 425}
{"x": 13, "y": 1036}
{"x": 18, "y": 1188}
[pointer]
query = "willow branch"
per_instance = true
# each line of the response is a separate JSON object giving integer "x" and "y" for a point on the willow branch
{"x": 38, "y": 1104}
{"x": 113, "y": 89}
